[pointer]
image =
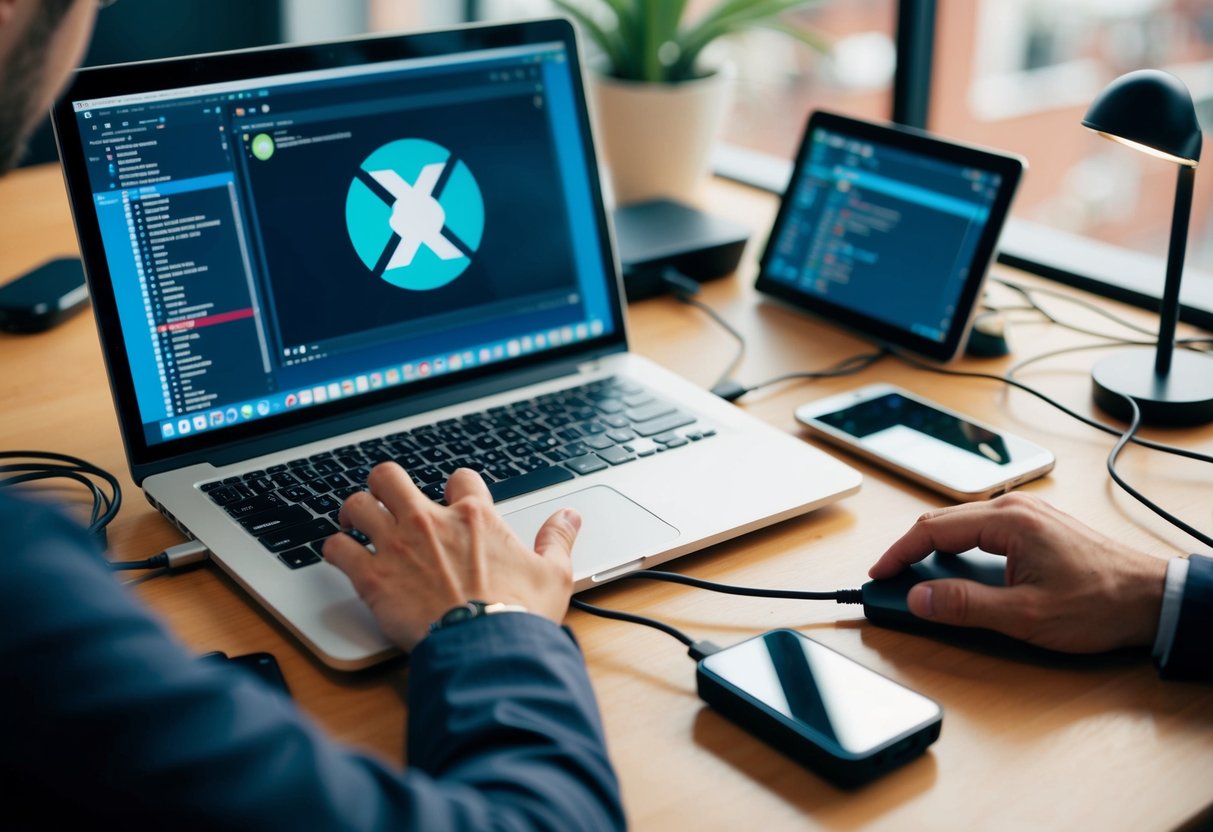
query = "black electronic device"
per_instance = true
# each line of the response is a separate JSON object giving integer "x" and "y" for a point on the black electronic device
{"x": 884, "y": 601}
{"x": 262, "y": 665}
{"x": 661, "y": 233}
{"x": 889, "y": 231}
{"x": 41, "y": 298}
{"x": 840, "y": 719}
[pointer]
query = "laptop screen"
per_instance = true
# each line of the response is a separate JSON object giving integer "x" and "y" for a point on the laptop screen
{"x": 283, "y": 242}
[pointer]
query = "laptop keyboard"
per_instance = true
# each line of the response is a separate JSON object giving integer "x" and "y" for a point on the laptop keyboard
{"x": 518, "y": 448}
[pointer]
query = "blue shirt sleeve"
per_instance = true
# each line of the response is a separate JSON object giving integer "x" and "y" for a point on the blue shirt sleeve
{"x": 105, "y": 715}
{"x": 1191, "y": 653}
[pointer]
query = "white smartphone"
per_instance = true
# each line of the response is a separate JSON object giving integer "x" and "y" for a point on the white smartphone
{"x": 930, "y": 444}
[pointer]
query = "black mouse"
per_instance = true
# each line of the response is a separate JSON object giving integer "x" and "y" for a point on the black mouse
{"x": 884, "y": 601}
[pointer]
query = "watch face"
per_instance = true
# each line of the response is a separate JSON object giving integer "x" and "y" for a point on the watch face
{"x": 458, "y": 614}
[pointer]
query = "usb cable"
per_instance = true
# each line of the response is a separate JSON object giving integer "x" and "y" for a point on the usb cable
{"x": 173, "y": 558}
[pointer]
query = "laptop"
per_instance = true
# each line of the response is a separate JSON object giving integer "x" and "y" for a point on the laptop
{"x": 308, "y": 260}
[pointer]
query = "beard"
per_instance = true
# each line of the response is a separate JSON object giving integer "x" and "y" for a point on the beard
{"x": 22, "y": 78}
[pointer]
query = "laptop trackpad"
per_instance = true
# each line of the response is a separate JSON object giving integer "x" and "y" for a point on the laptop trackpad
{"x": 614, "y": 529}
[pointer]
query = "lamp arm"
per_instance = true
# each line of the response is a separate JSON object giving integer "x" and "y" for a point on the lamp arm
{"x": 1168, "y": 311}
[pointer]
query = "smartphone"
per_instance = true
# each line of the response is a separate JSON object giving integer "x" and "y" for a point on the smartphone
{"x": 39, "y": 299}
{"x": 262, "y": 665}
{"x": 934, "y": 446}
{"x": 840, "y": 719}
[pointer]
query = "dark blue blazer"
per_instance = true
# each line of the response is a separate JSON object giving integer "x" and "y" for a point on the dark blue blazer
{"x": 103, "y": 716}
{"x": 1192, "y": 651}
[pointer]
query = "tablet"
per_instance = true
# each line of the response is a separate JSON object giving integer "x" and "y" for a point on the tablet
{"x": 889, "y": 232}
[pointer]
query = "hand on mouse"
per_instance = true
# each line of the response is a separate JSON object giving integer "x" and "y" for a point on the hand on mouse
{"x": 1068, "y": 588}
{"x": 430, "y": 558}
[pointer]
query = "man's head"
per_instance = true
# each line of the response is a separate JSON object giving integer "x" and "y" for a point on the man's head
{"x": 41, "y": 42}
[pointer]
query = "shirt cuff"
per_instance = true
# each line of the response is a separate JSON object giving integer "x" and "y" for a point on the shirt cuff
{"x": 1172, "y": 600}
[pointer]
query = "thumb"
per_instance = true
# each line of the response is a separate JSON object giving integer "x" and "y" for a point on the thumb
{"x": 557, "y": 534}
{"x": 962, "y": 603}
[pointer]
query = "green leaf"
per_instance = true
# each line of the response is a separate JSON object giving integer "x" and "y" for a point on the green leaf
{"x": 730, "y": 17}
{"x": 612, "y": 46}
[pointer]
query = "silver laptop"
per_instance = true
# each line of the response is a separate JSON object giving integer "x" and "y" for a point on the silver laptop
{"x": 305, "y": 261}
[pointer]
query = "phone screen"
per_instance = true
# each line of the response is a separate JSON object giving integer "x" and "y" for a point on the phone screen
{"x": 822, "y": 690}
{"x": 893, "y": 411}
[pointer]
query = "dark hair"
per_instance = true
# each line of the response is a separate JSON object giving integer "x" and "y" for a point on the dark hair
{"x": 21, "y": 78}
{"x": 47, "y": 19}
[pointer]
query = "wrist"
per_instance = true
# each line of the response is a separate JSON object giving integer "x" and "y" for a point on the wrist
{"x": 470, "y": 610}
{"x": 1145, "y": 591}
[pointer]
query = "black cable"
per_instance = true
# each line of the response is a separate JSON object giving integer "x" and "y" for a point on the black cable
{"x": 1125, "y": 438}
{"x": 695, "y": 649}
{"x": 1028, "y": 293}
{"x": 841, "y": 596}
{"x": 727, "y": 327}
{"x": 33, "y": 466}
{"x": 684, "y": 289}
{"x": 1086, "y": 420}
{"x": 603, "y": 612}
{"x": 731, "y": 391}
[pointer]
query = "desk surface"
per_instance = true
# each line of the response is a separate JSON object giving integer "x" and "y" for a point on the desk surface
{"x": 1092, "y": 743}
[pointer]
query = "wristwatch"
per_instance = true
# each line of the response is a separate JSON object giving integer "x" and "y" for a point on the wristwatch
{"x": 470, "y": 610}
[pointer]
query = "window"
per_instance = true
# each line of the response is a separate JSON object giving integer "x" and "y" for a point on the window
{"x": 780, "y": 80}
{"x": 1019, "y": 75}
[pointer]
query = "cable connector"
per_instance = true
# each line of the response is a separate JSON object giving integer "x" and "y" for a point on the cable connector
{"x": 173, "y": 558}
{"x": 701, "y": 649}
{"x": 186, "y": 554}
{"x": 730, "y": 390}
{"x": 849, "y": 596}
{"x": 678, "y": 283}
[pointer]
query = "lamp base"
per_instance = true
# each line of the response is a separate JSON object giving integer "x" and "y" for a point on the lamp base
{"x": 1182, "y": 397}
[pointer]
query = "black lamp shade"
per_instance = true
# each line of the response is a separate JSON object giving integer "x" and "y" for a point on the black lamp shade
{"x": 1152, "y": 108}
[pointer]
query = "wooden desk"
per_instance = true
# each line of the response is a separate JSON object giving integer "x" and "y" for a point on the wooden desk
{"x": 1091, "y": 743}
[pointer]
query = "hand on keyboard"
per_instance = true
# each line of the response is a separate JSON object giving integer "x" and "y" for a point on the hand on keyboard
{"x": 430, "y": 558}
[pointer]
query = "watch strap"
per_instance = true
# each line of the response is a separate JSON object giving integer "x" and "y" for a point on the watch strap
{"x": 470, "y": 610}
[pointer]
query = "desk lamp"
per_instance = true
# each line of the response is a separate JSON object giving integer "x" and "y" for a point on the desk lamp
{"x": 1152, "y": 111}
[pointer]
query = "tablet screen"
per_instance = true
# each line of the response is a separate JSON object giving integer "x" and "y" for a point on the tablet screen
{"x": 889, "y": 232}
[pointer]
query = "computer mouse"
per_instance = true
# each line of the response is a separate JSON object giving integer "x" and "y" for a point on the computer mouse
{"x": 884, "y": 601}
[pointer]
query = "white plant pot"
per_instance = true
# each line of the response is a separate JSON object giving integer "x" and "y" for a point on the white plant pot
{"x": 656, "y": 139}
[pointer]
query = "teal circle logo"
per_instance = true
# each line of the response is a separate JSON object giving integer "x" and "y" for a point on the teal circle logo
{"x": 415, "y": 214}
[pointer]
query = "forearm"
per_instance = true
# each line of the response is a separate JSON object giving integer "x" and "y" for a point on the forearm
{"x": 503, "y": 704}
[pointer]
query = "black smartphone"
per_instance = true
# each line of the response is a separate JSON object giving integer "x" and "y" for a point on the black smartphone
{"x": 262, "y": 665}
{"x": 840, "y": 719}
{"x": 39, "y": 299}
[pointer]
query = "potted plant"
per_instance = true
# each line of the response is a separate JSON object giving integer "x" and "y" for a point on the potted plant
{"x": 658, "y": 107}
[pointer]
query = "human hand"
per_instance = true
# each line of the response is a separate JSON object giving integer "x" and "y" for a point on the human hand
{"x": 1069, "y": 588}
{"x": 430, "y": 558}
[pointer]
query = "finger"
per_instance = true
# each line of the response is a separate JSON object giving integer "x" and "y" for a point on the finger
{"x": 395, "y": 489}
{"x": 964, "y": 603}
{"x": 466, "y": 483}
{"x": 955, "y": 529}
{"x": 363, "y": 511}
{"x": 557, "y": 535}
{"x": 350, "y": 556}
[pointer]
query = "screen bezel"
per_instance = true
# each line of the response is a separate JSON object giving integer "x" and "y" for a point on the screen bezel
{"x": 1009, "y": 167}
{"x": 262, "y": 435}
